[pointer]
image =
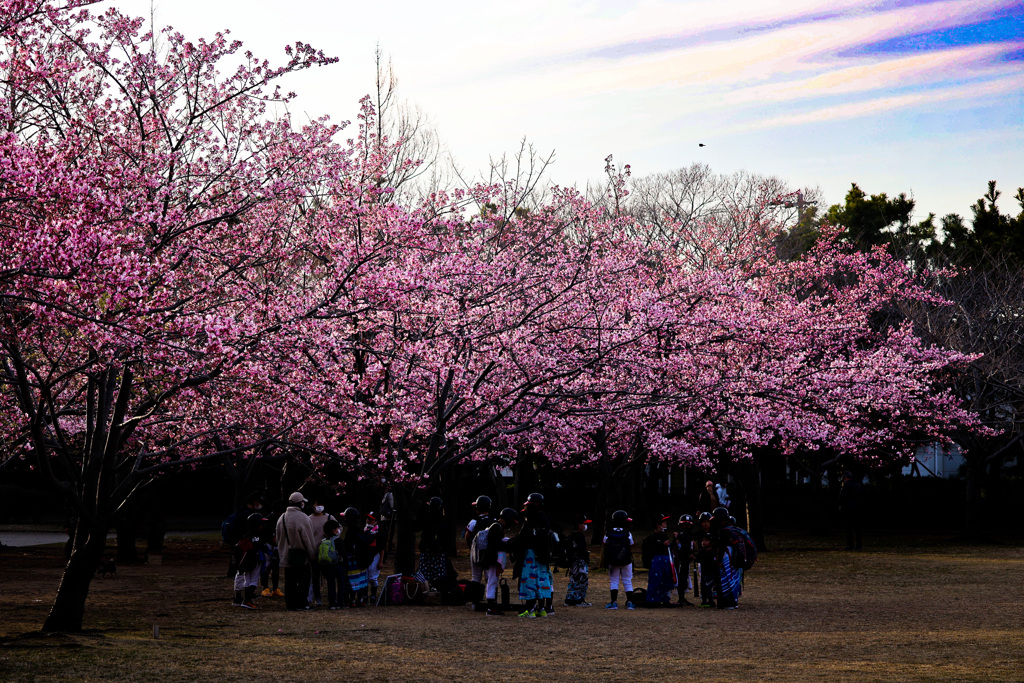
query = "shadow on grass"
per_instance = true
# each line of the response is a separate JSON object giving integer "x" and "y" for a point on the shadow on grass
{"x": 41, "y": 639}
{"x": 884, "y": 541}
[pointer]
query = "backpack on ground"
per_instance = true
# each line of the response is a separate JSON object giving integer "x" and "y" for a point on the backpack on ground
{"x": 396, "y": 592}
{"x": 474, "y": 591}
{"x": 327, "y": 553}
{"x": 744, "y": 548}
{"x": 452, "y": 591}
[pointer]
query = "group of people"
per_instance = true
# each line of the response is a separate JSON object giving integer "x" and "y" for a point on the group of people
{"x": 705, "y": 556}
{"x": 713, "y": 545}
{"x": 313, "y": 548}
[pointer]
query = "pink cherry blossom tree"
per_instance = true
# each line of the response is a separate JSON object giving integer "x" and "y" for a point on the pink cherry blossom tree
{"x": 160, "y": 226}
{"x": 462, "y": 334}
{"x": 752, "y": 353}
{"x": 188, "y": 275}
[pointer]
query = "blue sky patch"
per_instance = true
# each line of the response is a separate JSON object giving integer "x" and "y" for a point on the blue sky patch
{"x": 1013, "y": 56}
{"x": 1006, "y": 27}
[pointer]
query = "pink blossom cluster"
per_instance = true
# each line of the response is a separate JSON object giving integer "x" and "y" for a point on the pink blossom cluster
{"x": 185, "y": 271}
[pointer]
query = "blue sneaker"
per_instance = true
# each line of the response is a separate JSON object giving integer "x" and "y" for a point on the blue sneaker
{"x": 630, "y": 605}
{"x": 612, "y": 605}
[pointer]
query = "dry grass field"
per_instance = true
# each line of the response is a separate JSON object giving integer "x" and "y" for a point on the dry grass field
{"x": 906, "y": 611}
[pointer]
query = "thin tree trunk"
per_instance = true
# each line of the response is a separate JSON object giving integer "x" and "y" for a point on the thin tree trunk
{"x": 972, "y": 502}
{"x": 601, "y": 510}
{"x": 526, "y": 477}
{"x": 156, "y": 521}
{"x": 517, "y": 482}
{"x": 127, "y": 533}
{"x": 408, "y": 503}
{"x": 449, "y": 487}
{"x": 500, "y": 491}
{"x": 156, "y": 528}
{"x": 750, "y": 482}
{"x": 641, "y": 504}
{"x": 819, "y": 514}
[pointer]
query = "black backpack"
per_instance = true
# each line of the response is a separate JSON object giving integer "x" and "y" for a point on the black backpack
{"x": 561, "y": 551}
{"x": 229, "y": 531}
{"x": 617, "y": 548}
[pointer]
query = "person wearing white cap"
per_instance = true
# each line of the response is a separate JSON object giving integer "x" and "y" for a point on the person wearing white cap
{"x": 317, "y": 518}
{"x": 297, "y": 548}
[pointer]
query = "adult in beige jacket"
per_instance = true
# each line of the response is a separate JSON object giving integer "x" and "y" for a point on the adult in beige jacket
{"x": 295, "y": 531}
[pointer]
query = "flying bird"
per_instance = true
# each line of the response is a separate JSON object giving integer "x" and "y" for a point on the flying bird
{"x": 701, "y": 144}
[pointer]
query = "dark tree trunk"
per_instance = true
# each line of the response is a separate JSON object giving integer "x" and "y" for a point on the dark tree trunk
{"x": 819, "y": 504}
{"x": 750, "y": 482}
{"x": 68, "y": 610}
{"x": 408, "y": 503}
{"x": 517, "y": 483}
{"x": 500, "y": 491}
{"x": 601, "y": 509}
{"x": 449, "y": 488}
{"x": 156, "y": 528}
{"x": 599, "y": 515}
{"x": 526, "y": 477}
{"x": 92, "y": 496}
{"x": 127, "y": 533}
{"x": 643, "y": 499}
{"x": 972, "y": 502}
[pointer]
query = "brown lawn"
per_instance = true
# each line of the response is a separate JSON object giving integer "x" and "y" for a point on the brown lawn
{"x": 923, "y": 612}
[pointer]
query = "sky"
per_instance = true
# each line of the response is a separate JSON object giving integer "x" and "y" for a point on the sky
{"x": 918, "y": 96}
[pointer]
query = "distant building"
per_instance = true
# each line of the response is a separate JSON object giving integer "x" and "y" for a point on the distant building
{"x": 937, "y": 460}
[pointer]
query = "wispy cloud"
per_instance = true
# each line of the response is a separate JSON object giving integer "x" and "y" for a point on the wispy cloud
{"x": 645, "y": 78}
{"x": 652, "y": 29}
{"x": 969, "y": 94}
{"x": 825, "y": 60}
